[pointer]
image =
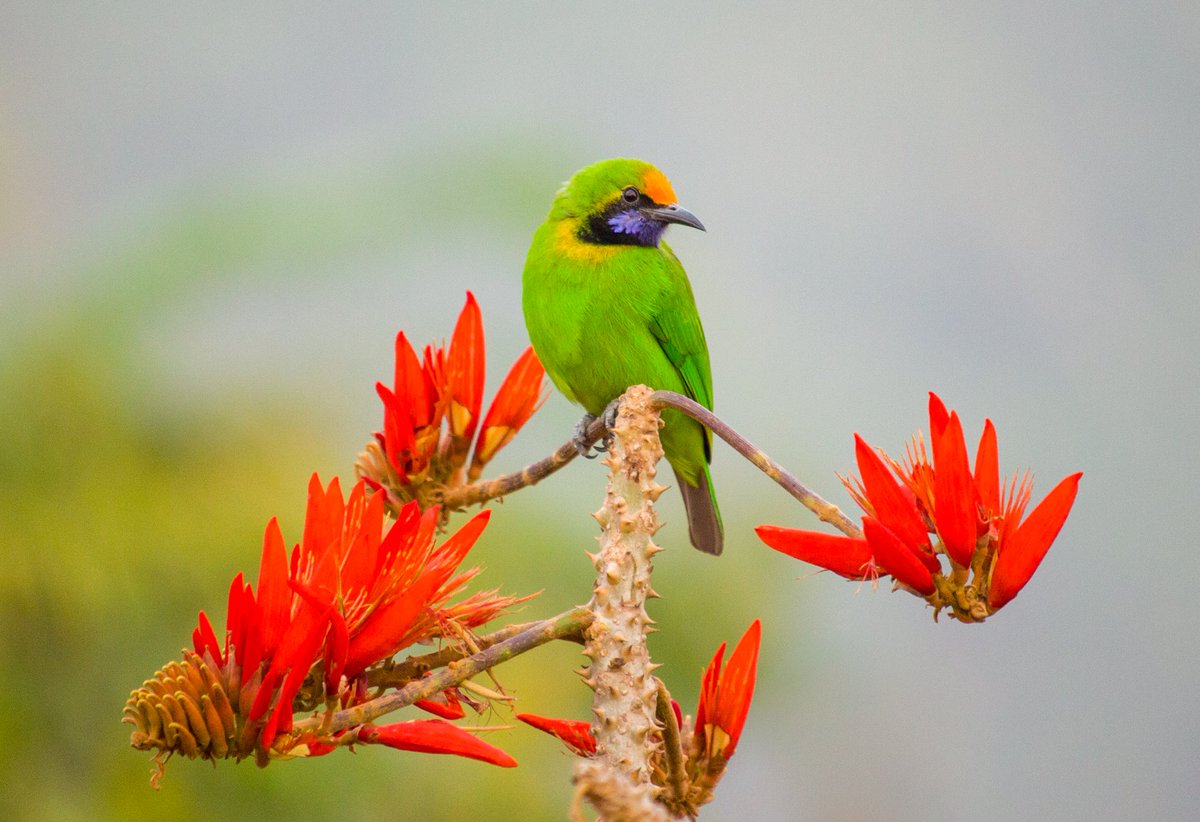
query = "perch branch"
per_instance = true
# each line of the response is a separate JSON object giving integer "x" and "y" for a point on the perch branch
{"x": 481, "y": 492}
{"x": 825, "y": 511}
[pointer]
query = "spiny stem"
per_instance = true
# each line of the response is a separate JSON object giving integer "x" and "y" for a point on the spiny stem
{"x": 825, "y": 511}
{"x": 568, "y": 624}
{"x": 624, "y": 692}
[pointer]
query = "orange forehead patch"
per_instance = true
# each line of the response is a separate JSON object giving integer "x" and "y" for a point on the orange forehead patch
{"x": 657, "y": 187}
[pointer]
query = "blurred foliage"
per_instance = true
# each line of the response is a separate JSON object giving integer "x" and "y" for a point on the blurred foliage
{"x": 124, "y": 515}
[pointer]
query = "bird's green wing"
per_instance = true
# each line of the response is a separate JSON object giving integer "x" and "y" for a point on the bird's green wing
{"x": 676, "y": 326}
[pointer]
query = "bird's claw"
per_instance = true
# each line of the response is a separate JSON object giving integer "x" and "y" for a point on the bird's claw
{"x": 610, "y": 415}
{"x": 583, "y": 444}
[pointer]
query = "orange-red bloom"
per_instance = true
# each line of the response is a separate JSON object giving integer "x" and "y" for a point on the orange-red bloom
{"x": 435, "y": 736}
{"x": 520, "y": 395}
{"x": 353, "y": 594}
{"x": 976, "y": 520}
{"x": 431, "y": 413}
{"x": 574, "y": 733}
{"x": 725, "y": 697}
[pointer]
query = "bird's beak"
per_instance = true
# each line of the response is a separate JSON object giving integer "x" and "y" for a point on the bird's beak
{"x": 673, "y": 214}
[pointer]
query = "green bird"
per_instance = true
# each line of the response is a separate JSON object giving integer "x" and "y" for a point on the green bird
{"x": 608, "y": 305}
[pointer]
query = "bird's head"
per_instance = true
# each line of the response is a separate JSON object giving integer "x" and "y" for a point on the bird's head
{"x": 621, "y": 202}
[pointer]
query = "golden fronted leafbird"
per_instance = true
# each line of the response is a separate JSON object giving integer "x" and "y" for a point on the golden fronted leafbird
{"x": 608, "y": 305}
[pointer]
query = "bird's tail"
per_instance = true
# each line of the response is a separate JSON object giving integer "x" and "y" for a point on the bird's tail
{"x": 704, "y": 518}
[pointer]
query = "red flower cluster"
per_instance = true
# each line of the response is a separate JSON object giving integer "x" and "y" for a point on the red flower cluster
{"x": 352, "y": 594}
{"x": 725, "y": 699}
{"x": 978, "y": 522}
{"x": 445, "y": 386}
{"x": 710, "y": 741}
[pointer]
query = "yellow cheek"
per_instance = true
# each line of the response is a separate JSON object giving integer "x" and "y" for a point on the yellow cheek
{"x": 569, "y": 245}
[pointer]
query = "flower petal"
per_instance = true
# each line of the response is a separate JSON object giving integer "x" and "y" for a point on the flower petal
{"x": 274, "y": 597}
{"x": 448, "y": 707}
{"x": 956, "y": 508}
{"x": 896, "y": 558}
{"x": 410, "y": 384}
{"x": 518, "y": 397}
{"x": 737, "y": 686}
{"x": 204, "y": 638}
{"x": 574, "y": 733}
{"x": 436, "y": 736}
{"x": 987, "y": 471}
{"x": 1017, "y": 560}
{"x": 465, "y": 370}
{"x": 845, "y": 556}
{"x": 890, "y": 504}
{"x": 938, "y": 417}
{"x": 381, "y": 633}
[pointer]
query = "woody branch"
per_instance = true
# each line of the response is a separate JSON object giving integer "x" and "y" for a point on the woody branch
{"x": 481, "y": 492}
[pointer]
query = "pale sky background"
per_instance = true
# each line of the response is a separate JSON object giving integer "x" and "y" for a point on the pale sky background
{"x": 999, "y": 202}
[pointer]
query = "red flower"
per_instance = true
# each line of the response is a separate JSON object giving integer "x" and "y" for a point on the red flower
{"x": 444, "y": 390}
{"x": 353, "y": 594}
{"x": 725, "y": 698}
{"x": 574, "y": 733}
{"x": 702, "y": 748}
{"x": 413, "y": 410}
{"x": 520, "y": 395}
{"x": 435, "y": 736}
{"x": 976, "y": 529}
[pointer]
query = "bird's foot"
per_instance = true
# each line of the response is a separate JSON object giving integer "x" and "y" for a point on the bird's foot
{"x": 610, "y": 416}
{"x": 583, "y": 443}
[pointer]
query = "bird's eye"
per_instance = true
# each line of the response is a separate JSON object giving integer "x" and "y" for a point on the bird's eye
{"x": 631, "y": 194}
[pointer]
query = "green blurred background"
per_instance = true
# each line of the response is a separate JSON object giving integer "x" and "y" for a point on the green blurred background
{"x": 213, "y": 221}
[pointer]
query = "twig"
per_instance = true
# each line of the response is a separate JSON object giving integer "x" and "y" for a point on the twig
{"x": 481, "y": 492}
{"x": 568, "y": 624}
{"x": 414, "y": 667}
{"x": 825, "y": 511}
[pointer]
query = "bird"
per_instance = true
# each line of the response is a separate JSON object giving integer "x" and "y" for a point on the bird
{"x": 608, "y": 305}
